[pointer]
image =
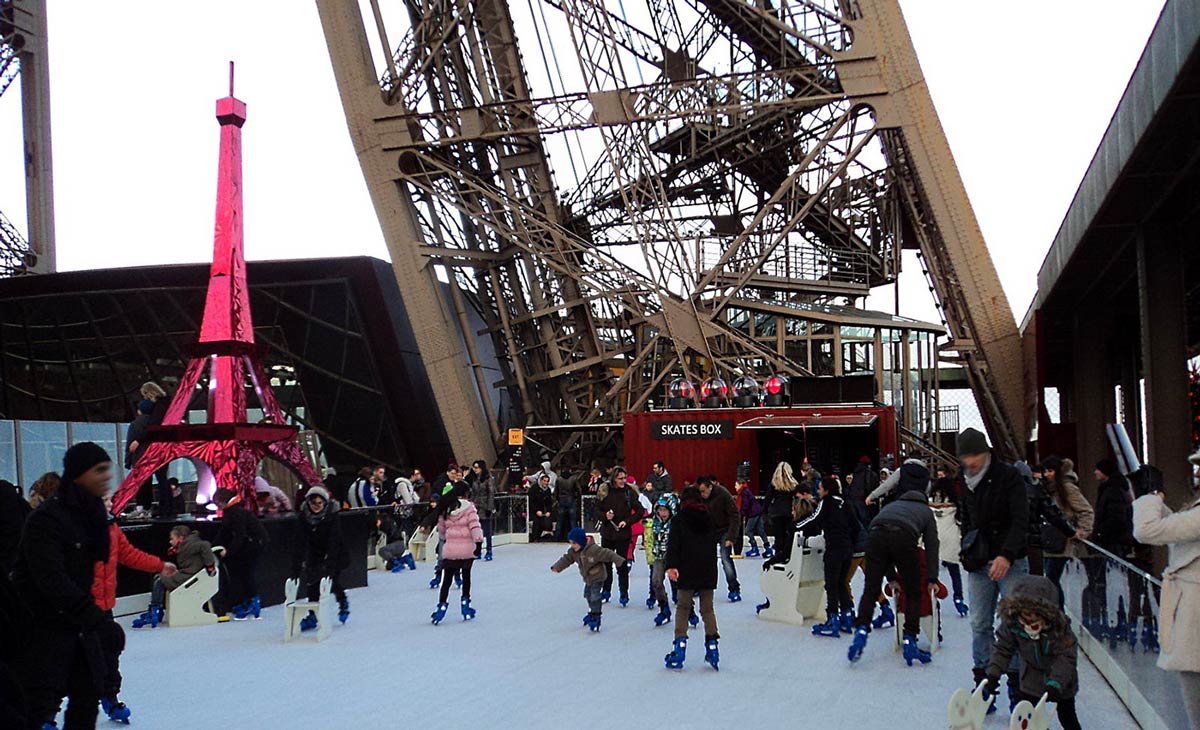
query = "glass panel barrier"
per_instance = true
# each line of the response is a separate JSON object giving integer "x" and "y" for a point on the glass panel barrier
{"x": 8, "y": 453}
{"x": 43, "y": 444}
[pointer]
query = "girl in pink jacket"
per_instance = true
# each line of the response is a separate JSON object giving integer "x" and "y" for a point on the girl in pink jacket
{"x": 462, "y": 542}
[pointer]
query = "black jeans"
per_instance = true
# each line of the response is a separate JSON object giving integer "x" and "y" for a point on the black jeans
{"x": 781, "y": 530}
{"x": 60, "y": 662}
{"x": 243, "y": 583}
{"x": 450, "y": 568}
{"x": 486, "y": 524}
{"x": 1065, "y": 709}
{"x": 112, "y": 641}
{"x": 837, "y": 591}
{"x": 1054, "y": 569}
{"x": 566, "y": 520}
{"x": 891, "y": 548}
{"x": 620, "y": 548}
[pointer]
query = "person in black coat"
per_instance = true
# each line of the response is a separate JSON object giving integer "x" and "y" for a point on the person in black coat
{"x": 1113, "y": 532}
{"x": 690, "y": 565}
{"x": 541, "y": 508}
{"x": 781, "y": 494}
{"x": 15, "y": 627}
{"x": 1043, "y": 515}
{"x": 62, "y": 542}
{"x": 837, "y": 522}
{"x": 617, "y": 511}
{"x": 243, "y": 538}
{"x": 723, "y": 511}
{"x": 13, "y": 511}
{"x": 321, "y": 551}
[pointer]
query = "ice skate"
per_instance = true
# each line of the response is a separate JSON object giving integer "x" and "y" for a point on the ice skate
{"x": 711, "y": 654}
{"x": 457, "y": 581}
{"x": 831, "y": 628}
{"x": 241, "y": 611}
{"x": 886, "y": 617}
{"x": 1150, "y": 634}
{"x": 762, "y": 606}
{"x": 488, "y": 555}
{"x": 674, "y": 660}
{"x": 693, "y": 619}
{"x": 115, "y": 710}
{"x": 912, "y": 652}
{"x": 768, "y": 552}
{"x": 858, "y": 644}
{"x": 664, "y": 615}
{"x": 152, "y": 618}
{"x": 468, "y": 613}
{"x": 961, "y": 606}
{"x": 344, "y": 610}
{"x": 650, "y": 600}
{"x": 735, "y": 596}
{"x": 440, "y": 613}
{"x": 605, "y": 596}
{"x": 437, "y": 579}
{"x": 846, "y": 621}
{"x": 752, "y": 553}
{"x": 309, "y": 622}
{"x": 592, "y": 621}
{"x": 624, "y": 600}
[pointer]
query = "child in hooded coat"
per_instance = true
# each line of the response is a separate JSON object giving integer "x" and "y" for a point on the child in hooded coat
{"x": 660, "y": 530}
{"x": 592, "y": 561}
{"x": 320, "y": 552}
{"x": 691, "y": 547}
{"x": 461, "y": 535}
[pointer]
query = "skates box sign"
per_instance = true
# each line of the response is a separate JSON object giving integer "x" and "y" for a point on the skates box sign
{"x": 666, "y": 430}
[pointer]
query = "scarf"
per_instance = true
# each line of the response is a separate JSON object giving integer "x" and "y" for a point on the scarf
{"x": 973, "y": 480}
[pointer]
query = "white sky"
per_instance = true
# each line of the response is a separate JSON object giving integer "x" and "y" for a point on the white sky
{"x": 1024, "y": 89}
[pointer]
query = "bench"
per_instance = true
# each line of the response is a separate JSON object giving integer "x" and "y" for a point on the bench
{"x": 795, "y": 590}
{"x": 423, "y": 546}
{"x": 295, "y": 610}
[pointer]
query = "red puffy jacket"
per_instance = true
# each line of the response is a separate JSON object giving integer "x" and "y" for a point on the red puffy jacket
{"x": 104, "y": 587}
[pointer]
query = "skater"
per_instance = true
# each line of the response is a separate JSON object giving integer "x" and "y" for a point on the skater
{"x": 483, "y": 494}
{"x": 995, "y": 511}
{"x": 104, "y": 593}
{"x": 1154, "y": 523}
{"x": 656, "y": 550}
{"x": 943, "y": 499}
{"x": 243, "y": 538}
{"x": 394, "y": 553}
{"x": 751, "y": 510}
{"x": 690, "y": 565}
{"x": 862, "y": 482}
{"x": 723, "y": 512}
{"x": 462, "y": 542}
{"x": 617, "y": 511}
{"x": 836, "y": 521}
{"x": 320, "y": 552}
{"x": 541, "y": 502}
{"x": 659, "y": 482}
{"x": 1063, "y": 485}
{"x": 778, "y": 506}
{"x": 913, "y": 474}
{"x": 62, "y": 542}
{"x": 1033, "y": 627}
{"x": 892, "y": 544}
{"x": 566, "y": 500}
{"x": 593, "y": 562}
{"x": 192, "y": 555}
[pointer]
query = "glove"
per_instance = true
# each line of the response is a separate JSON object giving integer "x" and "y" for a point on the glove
{"x": 1053, "y": 693}
{"x": 478, "y": 549}
{"x": 991, "y": 686}
{"x": 767, "y": 564}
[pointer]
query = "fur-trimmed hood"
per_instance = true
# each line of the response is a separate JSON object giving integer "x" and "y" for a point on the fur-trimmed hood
{"x": 1034, "y": 594}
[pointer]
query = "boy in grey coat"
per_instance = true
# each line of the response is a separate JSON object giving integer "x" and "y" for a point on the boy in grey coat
{"x": 590, "y": 558}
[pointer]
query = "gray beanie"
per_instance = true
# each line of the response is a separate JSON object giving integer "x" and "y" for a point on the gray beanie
{"x": 971, "y": 441}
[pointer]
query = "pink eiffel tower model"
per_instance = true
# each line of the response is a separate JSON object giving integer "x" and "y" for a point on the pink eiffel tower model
{"x": 227, "y": 449}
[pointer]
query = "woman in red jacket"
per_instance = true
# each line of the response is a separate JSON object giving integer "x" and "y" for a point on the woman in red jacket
{"x": 104, "y": 593}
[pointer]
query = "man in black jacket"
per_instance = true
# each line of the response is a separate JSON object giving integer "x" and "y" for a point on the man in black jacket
{"x": 617, "y": 512}
{"x": 62, "y": 542}
{"x": 243, "y": 538}
{"x": 995, "y": 537}
{"x": 726, "y": 523}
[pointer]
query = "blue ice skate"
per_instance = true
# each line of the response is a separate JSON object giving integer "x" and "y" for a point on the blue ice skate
{"x": 674, "y": 660}
{"x": 468, "y": 613}
{"x": 309, "y": 622}
{"x": 115, "y": 710}
{"x": 693, "y": 619}
{"x": 623, "y": 600}
{"x": 912, "y": 652}
{"x": 605, "y": 596}
{"x": 711, "y": 654}
{"x": 488, "y": 555}
{"x": 832, "y": 628}
{"x": 592, "y": 621}
{"x": 664, "y": 615}
{"x": 753, "y": 553}
{"x": 152, "y": 618}
{"x": 344, "y": 610}
{"x": 437, "y": 579}
{"x": 735, "y": 596}
{"x": 439, "y": 613}
{"x": 961, "y": 606}
{"x": 762, "y": 606}
{"x": 768, "y": 552}
{"x": 886, "y": 618}
{"x": 857, "y": 644}
{"x": 846, "y": 621}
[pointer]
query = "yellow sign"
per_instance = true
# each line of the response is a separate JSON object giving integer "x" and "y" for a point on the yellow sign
{"x": 516, "y": 437}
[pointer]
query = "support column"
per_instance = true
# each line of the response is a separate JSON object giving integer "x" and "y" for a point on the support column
{"x": 1092, "y": 402}
{"x": 35, "y": 116}
{"x": 1162, "y": 303}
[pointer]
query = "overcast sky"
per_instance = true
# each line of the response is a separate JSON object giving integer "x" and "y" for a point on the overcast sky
{"x": 1024, "y": 89}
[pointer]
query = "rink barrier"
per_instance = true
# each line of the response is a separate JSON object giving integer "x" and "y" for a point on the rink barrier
{"x": 1151, "y": 694}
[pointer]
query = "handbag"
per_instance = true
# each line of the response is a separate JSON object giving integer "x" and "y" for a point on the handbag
{"x": 975, "y": 553}
{"x": 1053, "y": 539}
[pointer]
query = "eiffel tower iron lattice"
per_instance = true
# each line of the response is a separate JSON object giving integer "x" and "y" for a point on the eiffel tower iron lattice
{"x": 710, "y": 155}
{"x": 227, "y": 449}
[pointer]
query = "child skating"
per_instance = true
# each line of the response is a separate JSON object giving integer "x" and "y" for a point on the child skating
{"x": 592, "y": 561}
{"x": 689, "y": 562}
{"x": 461, "y": 537}
{"x": 664, "y": 513}
{"x": 191, "y": 555}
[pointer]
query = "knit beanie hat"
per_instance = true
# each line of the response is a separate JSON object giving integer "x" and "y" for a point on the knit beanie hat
{"x": 578, "y": 535}
{"x": 82, "y": 457}
{"x": 971, "y": 441}
{"x": 1107, "y": 467}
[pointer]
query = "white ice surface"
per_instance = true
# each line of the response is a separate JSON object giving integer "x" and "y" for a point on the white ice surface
{"x": 527, "y": 662}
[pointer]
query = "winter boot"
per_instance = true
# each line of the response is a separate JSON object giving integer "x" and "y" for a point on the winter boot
{"x": 115, "y": 709}
{"x": 693, "y": 619}
{"x": 886, "y": 617}
{"x": 858, "y": 643}
{"x": 624, "y": 600}
{"x": 762, "y": 606}
{"x": 344, "y": 610}
{"x": 846, "y": 621}
{"x": 153, "y": 617}
{"x": 831, "y": 627}
{"x": 912, "y": 652}
{"x": 467, "y": 612}
{"x": 487, "y": 555}
{"x": 440, "y": 613}
{"x": 752, "y": 553}
{"x": 674, "y": 660}
{"x": 309, "y": 622}
{"x": 664, "y": 615}
{"x": 711, "y": 655}
{"x": 605, "y": 596}
{"x": 961, "y": 606}
{"x": 735, "y": 596}
{"x": 1014, "y": 691}
{"x": 768, "y": 552}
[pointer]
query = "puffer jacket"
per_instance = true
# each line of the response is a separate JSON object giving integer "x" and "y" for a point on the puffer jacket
{"x": 120, "y": 551}
{"x": 1179, "y": 615}
{"x": 660, "y": 528}
{"x": 748, "y": 505}
{"x": 483, "y": 494}
{"x": 1049, "y": 660}
{"x": 691, "y": 547}
{"x": 590, "y": 560}
{"x": 459, "y": 531}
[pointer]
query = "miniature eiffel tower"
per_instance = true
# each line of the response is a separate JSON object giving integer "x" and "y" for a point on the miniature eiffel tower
{"x": 227, "y": 449}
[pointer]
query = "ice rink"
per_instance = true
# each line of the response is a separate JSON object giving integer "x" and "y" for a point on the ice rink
{"x": 527, "y": 662}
